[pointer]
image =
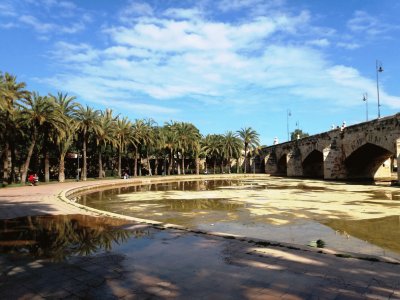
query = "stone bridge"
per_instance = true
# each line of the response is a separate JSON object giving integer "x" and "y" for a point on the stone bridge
{"x": 369, "y": 150}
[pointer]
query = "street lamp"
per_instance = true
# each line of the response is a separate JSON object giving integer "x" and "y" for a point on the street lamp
{"x": 365, "y": 98}
{"x": 289, "y": 113}
{"x": 379, "y": 69}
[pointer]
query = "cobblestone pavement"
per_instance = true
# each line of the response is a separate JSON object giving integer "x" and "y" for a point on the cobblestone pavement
{"x": 175, "y": 264}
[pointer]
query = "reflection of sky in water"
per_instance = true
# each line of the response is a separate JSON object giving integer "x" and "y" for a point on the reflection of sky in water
{"x": 287, "y": 210}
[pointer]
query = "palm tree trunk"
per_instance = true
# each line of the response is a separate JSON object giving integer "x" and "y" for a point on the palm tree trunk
{"x": 215, "y": 165}
{"x": 13, "y": 160}
{"x": 156, "y": 163}
{"x": 171, "y": 157}
{"x": 84, "y": 167}
{"x": 27, "y": 161}
{"x": 140, "y": 164}
{"x": 183, "y": 162}
{"x": 197, "y": 162}
{"x": 229, "y": 165}
{"x": 6, "y": 164}
{"x": 119, "y": 162}
{"x": 148, "y": 162}
{"x": 46, "y": 166}
{"x": 61, "y": 168}
{"x": 135, "y": 165}
{"x": 100, "y": 165}
{"x": 245, "y": 159}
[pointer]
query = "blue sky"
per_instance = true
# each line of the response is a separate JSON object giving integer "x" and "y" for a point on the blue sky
{"x": 222, "y": 65}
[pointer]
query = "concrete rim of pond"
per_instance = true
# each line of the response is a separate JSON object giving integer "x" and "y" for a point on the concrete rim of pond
{"x": 67, "y": 195}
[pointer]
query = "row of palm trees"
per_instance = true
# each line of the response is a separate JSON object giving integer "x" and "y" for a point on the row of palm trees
{"x": 50, "y": 128}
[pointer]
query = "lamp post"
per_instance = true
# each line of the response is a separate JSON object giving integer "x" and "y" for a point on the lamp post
{"x": 379, "y": 69}
{"x": 365, "y": 98}
{"x": 289, "y": 113}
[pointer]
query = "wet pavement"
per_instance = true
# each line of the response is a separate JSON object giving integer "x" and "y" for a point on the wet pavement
{"x": 82, "y": 257}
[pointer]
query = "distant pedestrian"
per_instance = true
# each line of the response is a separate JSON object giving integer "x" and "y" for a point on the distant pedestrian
{"x": 276, "y": 141}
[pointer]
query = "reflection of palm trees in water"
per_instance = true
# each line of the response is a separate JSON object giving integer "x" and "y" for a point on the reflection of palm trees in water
{"x": 59, "y": 237}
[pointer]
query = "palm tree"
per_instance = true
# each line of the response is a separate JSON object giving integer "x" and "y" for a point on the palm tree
{"x": 37, "y": 113}
{"x": 148, "y": 140}
{"x": 231, "y": 147}
{"x": 66, "y": 110}
{"x": 88, "y": 122}
{"x": 169, "y": 137}
{"x": 123, "y": 132}
{"x": 139, "y": 131}
{"x": 250, "y": 138}
{"x": 212, "y": 148}
{"x": 10, "y": 92}
{"x": 107, "y": 136}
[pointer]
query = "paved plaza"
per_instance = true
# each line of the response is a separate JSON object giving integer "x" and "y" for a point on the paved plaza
{"x": 152, "y": 262}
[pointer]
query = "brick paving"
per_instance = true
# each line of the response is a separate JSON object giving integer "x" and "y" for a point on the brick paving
{"x": 176, "y": 264}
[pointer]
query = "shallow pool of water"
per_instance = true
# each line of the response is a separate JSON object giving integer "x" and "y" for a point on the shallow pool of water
{"x": 348, "y": 217}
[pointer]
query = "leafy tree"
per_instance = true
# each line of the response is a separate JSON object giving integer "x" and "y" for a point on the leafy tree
{"x": 298, "y": 133}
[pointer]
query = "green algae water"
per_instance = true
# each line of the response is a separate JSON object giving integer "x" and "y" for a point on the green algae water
{"x": 356, "y": 218}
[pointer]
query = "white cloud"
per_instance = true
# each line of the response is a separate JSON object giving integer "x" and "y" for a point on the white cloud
{"x": 171, "y": 56}
{"x": 319, "y": 43}
{"x": 349, "y": 46}
{"x": 6, "y": 9}
{"x": 362, "y": 22}
{"x": 36, "y": 24}
{"x": 255, "y": 5}
{"x": 8, "y": 25}
{"x": 180, "y": 13}
{"x": 135, "y": 9}
{"x": 79, "y": 53}
{"x": 46, "y": 17}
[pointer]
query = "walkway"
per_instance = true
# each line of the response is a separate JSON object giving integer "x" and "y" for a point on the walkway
{"x": 175, "y": 264}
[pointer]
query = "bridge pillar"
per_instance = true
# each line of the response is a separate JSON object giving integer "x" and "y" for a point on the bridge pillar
{"x": 271, "y": 165}
{"x": 294, "y": 167}
{"x": 334, "y": 167}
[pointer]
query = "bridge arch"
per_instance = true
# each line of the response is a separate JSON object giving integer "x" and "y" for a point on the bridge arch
{"x": 282, "y": 165}
{"x": 313, "y": 164}
{"x": 368, "y": 161}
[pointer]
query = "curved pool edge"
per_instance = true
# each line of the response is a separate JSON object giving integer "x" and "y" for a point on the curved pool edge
{"x": 65, "y": 195}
